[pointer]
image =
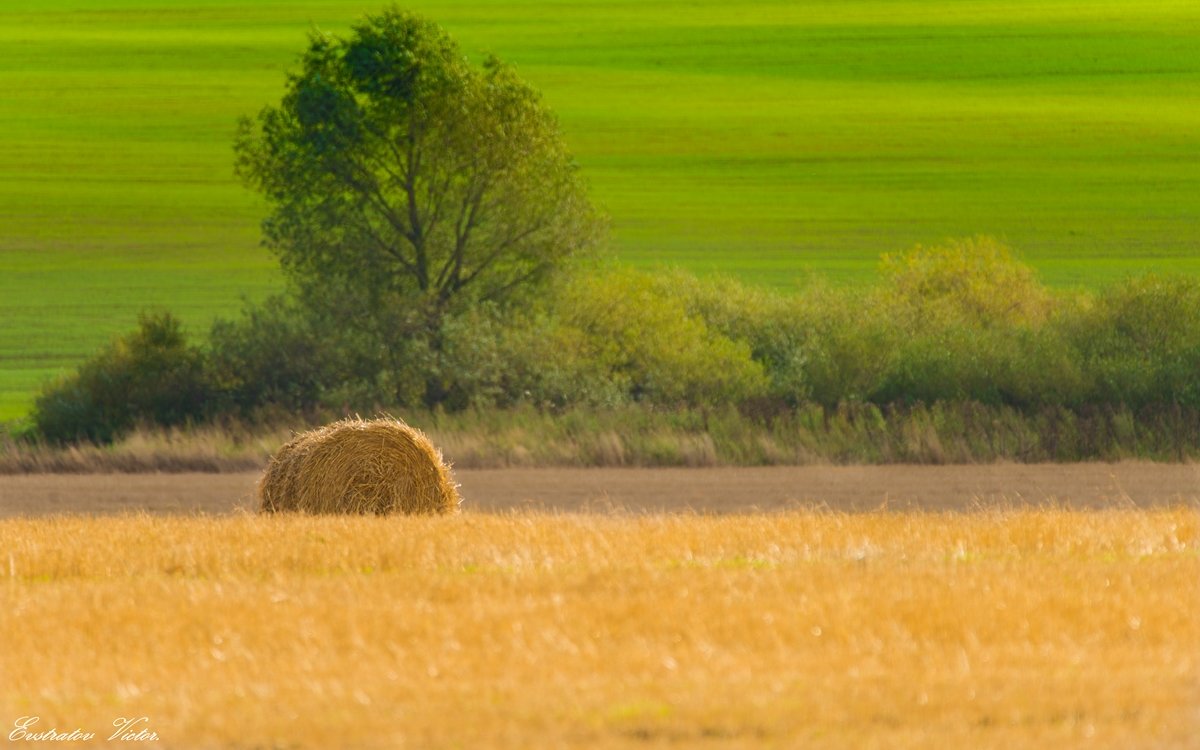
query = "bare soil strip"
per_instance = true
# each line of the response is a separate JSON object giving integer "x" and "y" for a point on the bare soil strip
{"x": 716, "y": 490}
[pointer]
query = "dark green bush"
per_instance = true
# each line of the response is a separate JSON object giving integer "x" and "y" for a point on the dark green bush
{"x": 1139, "y": 342}
{"x": 1024, "y": 367}
{"x": 150, "y": 375}
{"x": 274, "y": 355}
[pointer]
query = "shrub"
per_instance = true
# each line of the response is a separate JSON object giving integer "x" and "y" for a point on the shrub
{"x": 272, "y": 356}
{"x": 975, "y": 280}
{"x": 552, "y": 365}
{"x": 150, "y": 375}
{"x": 642, "y": 338}
{"x": 1140, "y": 342}
{"x": 971, "y": 323}
{"x": 850, "y": 345}
{"x": 953, "y": 361}
{"x": 777, "y": 327}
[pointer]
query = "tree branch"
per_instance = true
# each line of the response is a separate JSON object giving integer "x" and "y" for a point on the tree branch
{"x": 499, "y": 251}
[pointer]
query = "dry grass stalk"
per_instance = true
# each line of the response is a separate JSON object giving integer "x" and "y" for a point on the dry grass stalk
{"x": 359, "y": 466}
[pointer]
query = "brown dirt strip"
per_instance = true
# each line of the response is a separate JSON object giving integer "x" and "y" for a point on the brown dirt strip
{"x": 723, "y": 490}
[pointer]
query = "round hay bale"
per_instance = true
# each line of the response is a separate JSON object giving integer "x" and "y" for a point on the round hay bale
{"x": 359, "y": 466}
{"x": 276, "y": 487}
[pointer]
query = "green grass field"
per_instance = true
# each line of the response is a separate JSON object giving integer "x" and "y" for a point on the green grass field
{"x": 763, "y": 140}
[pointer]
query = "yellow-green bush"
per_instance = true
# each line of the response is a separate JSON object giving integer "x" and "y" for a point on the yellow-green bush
{"x": 976, "y": 281}
{"x": 641, "y": 336}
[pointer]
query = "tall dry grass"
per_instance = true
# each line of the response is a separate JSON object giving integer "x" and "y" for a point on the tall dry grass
{"x": 645, "y": 436}
{"x": 201, "y": 449}
{"x": 991, "y": 630}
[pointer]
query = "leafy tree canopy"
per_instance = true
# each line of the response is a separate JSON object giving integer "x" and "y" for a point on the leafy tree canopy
{"x": 401, "y": 176}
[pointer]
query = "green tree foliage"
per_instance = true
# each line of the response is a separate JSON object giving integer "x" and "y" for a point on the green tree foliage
{"x": 405, "y": 184}
{"x": 151, "y": 375}
{"x": 1139, "y": 342}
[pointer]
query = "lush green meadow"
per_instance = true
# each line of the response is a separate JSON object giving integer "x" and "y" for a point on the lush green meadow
{"x": 764, "y": 140}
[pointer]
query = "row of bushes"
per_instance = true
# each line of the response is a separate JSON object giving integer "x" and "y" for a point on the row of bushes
{"x": 962, "y": 323}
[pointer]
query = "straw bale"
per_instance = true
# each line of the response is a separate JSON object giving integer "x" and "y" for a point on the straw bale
{"x": 359, "y": 466}
{"x": 276, "y": 487}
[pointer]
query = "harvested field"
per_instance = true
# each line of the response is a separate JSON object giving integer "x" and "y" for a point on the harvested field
{"x": 724, "y": 490}
{"x": 1020, "y": 628}
{"x": 819, "y": 607}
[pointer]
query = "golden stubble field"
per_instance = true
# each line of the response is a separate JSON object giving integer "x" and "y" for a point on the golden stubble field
{"x": 994, "y": 629}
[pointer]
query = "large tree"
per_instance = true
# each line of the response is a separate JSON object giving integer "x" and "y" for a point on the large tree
{"x": 404, "y": 182}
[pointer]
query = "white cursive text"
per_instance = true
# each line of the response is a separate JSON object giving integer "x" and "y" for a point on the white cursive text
{"x": 22, "y": 731}
{"x": 128, "y": 730}
{"x": 132, "y": 729}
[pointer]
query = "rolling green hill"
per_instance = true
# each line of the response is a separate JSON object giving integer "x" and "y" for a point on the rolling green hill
{"x": 767, "y": 140}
